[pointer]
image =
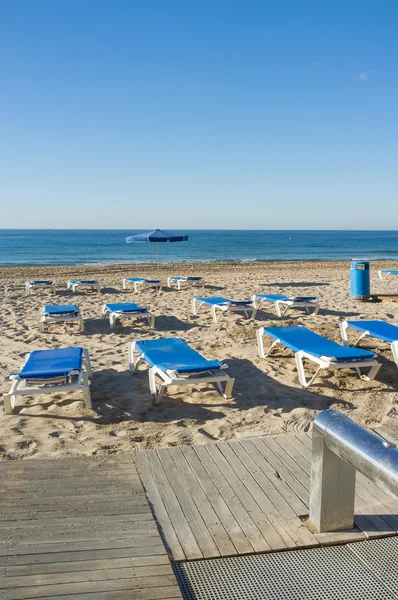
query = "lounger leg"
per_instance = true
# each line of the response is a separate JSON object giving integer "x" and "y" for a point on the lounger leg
{"x": 152, "y": 383}
{"x": 112, "y": 321}
{"x": 124, "y": 284}
{"x": 168, "y": 282}
{"x": 135, "y": 286}
{"x": 194, "y": 309}
{"x": 343, "y": 331}
{"x": 86, "y": 391}
{"x": 81, "y": 325}
{"x": 260, "y": 343}
{"x": 394, "y": 348}
{"x": 372, "y": 374}
{"x": 301, "y": 372}
{"x": 254, "y": 314}
{"x": 87, "y": 363}
{"x": 229, "y": 385}
{"x": 316, "y": 310}
{"x": 213, "y": 313}
{"x": 278, "y": 309}
{"x": 9, "y": 404}
{"x": 380, "y": 275}
{"x": 151, "y": 321}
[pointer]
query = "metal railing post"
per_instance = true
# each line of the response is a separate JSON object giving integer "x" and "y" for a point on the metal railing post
{"x": 340, "y": 447}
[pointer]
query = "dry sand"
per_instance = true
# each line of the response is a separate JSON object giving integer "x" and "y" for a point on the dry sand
{"x": 267, "y": 396}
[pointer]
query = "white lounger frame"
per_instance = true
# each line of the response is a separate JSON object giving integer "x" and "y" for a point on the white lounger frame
{"x": 78, "y": 285}
{"x": 344, "y": 335}
{"x": 286, "y": 304}
{"x": 137, "y": 284}
{"x": 47, "y": 319}
{"x": 75, "y": 380}
{"x": 171, "y": 377}
{"x": 30, "y": 287}
{"x": 324, "y": 362}
{"x": 386, "y": 273}
{"x": 249, "y": 311}
{"x": 180, "y": 280}
{"x": 119, "y": 315}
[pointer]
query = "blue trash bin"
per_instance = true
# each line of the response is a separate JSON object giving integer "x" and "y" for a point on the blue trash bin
{"x": 360, "y": 280}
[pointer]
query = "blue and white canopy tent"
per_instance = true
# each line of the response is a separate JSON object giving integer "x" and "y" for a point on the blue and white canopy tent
{"x": 157, "y": 236}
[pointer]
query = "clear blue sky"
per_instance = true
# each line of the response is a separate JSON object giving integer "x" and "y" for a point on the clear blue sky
{"x": 199, "y": 114}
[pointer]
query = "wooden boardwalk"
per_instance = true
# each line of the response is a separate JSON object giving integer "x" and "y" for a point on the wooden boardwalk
{"x": 250, "y": 496}
{"x": 79, "y": 528}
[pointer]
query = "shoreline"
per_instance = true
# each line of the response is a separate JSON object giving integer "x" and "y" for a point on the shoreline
{"x": 171, "y": 268}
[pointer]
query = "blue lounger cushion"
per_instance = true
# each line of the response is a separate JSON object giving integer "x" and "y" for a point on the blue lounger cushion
{"x": 138, "y": 279}
{"x": 176, "y": 355}
{"x": 61, "y": 309}
{"x": 377, "y": 329}
{"x": 190, "y": 278}
{"x": 392, "y": 271}
{"x": 218, "y": 300}
{"x": 125, "y": 307}
{"x": 278, "y": 297}
{"x": 41, "y": 282}
{"x": 299, "y": 338}
{"x": 46, "y": 364}
{"x": 83, "y": 281}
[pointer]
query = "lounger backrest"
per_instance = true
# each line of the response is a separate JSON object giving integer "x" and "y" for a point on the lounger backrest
{"x": 125, "y": 307}
{"x": 377, "y": 329}
{"x": 298, "y": 338}
{"x": 176, "y": 355}
{"x": 44, "y": 364}
{"x": 60, "y": 309}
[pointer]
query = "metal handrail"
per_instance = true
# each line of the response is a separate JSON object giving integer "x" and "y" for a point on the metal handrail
{"x": 340, "y": 447}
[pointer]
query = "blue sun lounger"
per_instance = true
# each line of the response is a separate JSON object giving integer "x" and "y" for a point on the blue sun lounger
{"x": 376, "y": 329}
{"x": 48, "y": 371}
{"x": 387, "y": 272}
{"x": 61, "y": 313}
{"x": 83, "y": 284}
{"x": 179, "y": 281}
{"x": 224, "y": 305}
{"x": 307, "y": 302}
{"x": 126, "y": 310}
{"x": 176, "y": 363}
{"x": 138, "y": 282}
{"x": 39, "y": 284}
{"x": 325, "y": 353}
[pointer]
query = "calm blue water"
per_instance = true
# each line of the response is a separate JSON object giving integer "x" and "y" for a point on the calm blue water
{"x": 73, "y": 247}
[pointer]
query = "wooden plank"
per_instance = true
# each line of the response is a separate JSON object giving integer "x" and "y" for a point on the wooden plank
{"x": 221, "y": 507}
{"x": 222, "y": 543}
{"x": 91, "y": 587}
{"x": 265, "y": 480}
{"x": 263, "y": 521}
{"x": 178, "y": 521}
{"x": 282, "y": 469}
{"x": 260, "y": 497}
{"x": 166, "y": 593}
{"x": 188, "y": 506}
{"x": 86, "y": 564}
{"x": 68, "y": 552}
{"x": 243, "y": 518}
{"x": 169, "y": 536}
{"x": 289, "y": 496}
{"x": 286, "y": 522}
{"x": 141, "y": 513}
{"x": 82, "y": 575}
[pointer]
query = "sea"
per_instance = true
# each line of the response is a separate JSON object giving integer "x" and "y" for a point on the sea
{"x": 79, "y": 247}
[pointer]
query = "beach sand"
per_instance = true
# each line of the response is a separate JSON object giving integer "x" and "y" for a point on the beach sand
{"x": 267, "y": 396}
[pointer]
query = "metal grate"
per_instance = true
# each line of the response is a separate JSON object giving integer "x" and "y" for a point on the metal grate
{"x": 381, "y": 557}
{"x": 329, "y": 573}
